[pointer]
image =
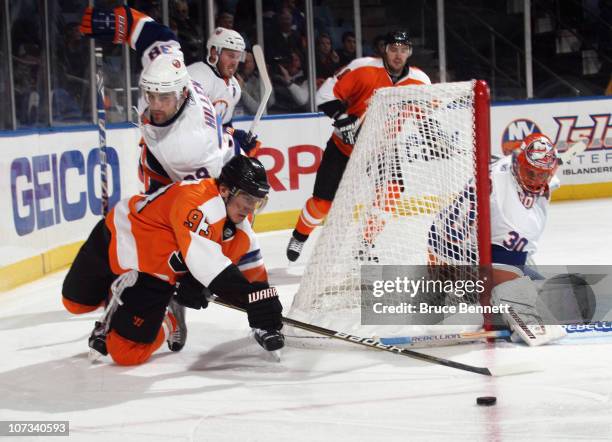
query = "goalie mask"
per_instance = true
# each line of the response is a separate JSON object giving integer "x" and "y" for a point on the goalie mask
{"x": 224, "y": 39}
{"x": 165, "y": 77}
{"x": 246, "y": 177}
{"x": 535, "y": 163}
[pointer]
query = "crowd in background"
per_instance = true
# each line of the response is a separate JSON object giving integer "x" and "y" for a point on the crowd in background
{"x": 52, "y": 78}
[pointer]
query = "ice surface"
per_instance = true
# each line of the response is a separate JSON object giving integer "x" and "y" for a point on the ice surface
{"x": 222, "y": 387}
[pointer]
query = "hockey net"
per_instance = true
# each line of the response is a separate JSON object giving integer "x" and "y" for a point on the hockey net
{"x": 415, "y": 192}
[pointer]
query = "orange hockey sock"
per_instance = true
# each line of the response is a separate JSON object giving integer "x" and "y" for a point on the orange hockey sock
{"x": 313, "y": 214}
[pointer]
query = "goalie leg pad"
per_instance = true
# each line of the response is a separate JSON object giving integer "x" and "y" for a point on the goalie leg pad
{"x": 520, "y": 296}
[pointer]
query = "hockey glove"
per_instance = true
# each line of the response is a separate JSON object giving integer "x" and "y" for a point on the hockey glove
{"x": 264, "y": 309}
{"x": 249, "y": 145}
{"x": 107, "y": 25}
{"x": 347, "y": 126}
{"x": 190, "y": 292}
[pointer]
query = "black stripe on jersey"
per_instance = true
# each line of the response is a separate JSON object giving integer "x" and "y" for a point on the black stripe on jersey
{"x": 154, "y": 165}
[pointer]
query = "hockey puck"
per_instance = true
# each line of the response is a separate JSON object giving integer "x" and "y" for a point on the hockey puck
{"x": 486, "y": 400}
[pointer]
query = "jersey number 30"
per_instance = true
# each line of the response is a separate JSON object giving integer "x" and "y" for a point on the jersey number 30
{"x": 515, "y": 242}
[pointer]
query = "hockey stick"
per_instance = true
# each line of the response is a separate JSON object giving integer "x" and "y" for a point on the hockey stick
{"x": 576, "y": 149}
{"x": 444, "y": 338}
{"x": 265, "y": 79}
{"x": 101, "y": 111}
{"x": 376, "y": 345}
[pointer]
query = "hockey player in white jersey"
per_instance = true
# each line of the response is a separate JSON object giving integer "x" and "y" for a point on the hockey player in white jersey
{"x": 215, "y": 75}
{"x": 520, "y": 195}
{"x": 180, "y": 135}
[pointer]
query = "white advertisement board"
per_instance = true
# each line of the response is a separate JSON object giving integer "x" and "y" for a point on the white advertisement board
{"x": 565, "y": 122}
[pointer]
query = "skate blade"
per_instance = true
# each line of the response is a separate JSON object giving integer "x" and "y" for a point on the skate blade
{"x": 94, "y": 355}
{"x": 275, "y": 356}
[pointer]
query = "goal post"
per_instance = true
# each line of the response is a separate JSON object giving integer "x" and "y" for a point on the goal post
{"x": 415, "y": 192}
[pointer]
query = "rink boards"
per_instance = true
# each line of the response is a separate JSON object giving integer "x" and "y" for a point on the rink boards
{"x": 50, "y": 194}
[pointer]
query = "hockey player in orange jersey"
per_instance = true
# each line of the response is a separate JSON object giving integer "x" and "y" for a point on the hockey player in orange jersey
{"x": 147, "y": 244}
{"x": 344, "y": 98}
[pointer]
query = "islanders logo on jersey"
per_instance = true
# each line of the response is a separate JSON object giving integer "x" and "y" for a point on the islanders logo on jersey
{"x": 516, "y": 132}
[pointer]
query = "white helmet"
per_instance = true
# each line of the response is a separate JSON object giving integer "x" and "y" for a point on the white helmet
{"x": 224, "y": 38}
{"x": 166, "y": 73}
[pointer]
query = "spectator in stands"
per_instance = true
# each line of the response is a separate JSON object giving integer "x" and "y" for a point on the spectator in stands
{"x": 328, "y": 60}
{"x": 27, "y": 64}
{"x": 378, "y": 46}
{"x": 70, "y": 77}
{"x": 189, "y": 34}
{"x": 152, "y": 8}
{"x": 298, "y": 18}
{"x": 348, "y": 52}
{"x": 225, "y": 19}
{"x": 250, "y": 84}
{"x": 290, "y": 85}
{"x": 243, "y": 21}
{"x": 280, "y": 41}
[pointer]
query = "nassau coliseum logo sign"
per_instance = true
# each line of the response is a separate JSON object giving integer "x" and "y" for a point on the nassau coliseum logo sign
{"x": 515, "y": 132}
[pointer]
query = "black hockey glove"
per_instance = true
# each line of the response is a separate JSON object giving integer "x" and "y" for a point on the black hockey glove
{"x": 249, "y": 145}
{"x": 190, "y": 292}
{"x": 264, "y": 309}
{"x": 347, "y": 126}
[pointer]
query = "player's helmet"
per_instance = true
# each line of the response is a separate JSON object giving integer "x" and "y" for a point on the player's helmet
{"x": 166, "y": 73}
{"x": 246, "y": 174}
{"x": 398, "y": 37}
{"x": 535, "y": 163}
{"x": 225, "y": 39}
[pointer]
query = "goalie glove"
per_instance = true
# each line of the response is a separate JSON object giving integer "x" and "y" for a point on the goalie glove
{"x": 264, "y": 309}
{"x": 347, "y": 128}
{"x": 525, "y": 320}
{"x": 107, "y": 25}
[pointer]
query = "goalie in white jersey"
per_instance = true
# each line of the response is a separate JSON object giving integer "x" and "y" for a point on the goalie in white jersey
{"x": 215, "y": 74}
{"x": 180, "y": 135}
{"x": 520, "y": 195}
{"x": 521, "y": 189}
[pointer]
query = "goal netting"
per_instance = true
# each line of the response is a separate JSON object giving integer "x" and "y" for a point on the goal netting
{"x": 415, "y": 192}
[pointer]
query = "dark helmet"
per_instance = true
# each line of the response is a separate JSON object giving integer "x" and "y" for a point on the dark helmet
{"x": 398, "y": 37}
{"x": 246, "y": 174}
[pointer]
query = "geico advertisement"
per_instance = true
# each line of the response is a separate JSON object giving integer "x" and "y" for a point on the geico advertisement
{"x": 564, "y": 123}
{"x": 51, "y": 191}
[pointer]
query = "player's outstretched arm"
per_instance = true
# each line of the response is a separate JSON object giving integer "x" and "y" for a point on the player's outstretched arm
{"x": 124, "y": 25}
